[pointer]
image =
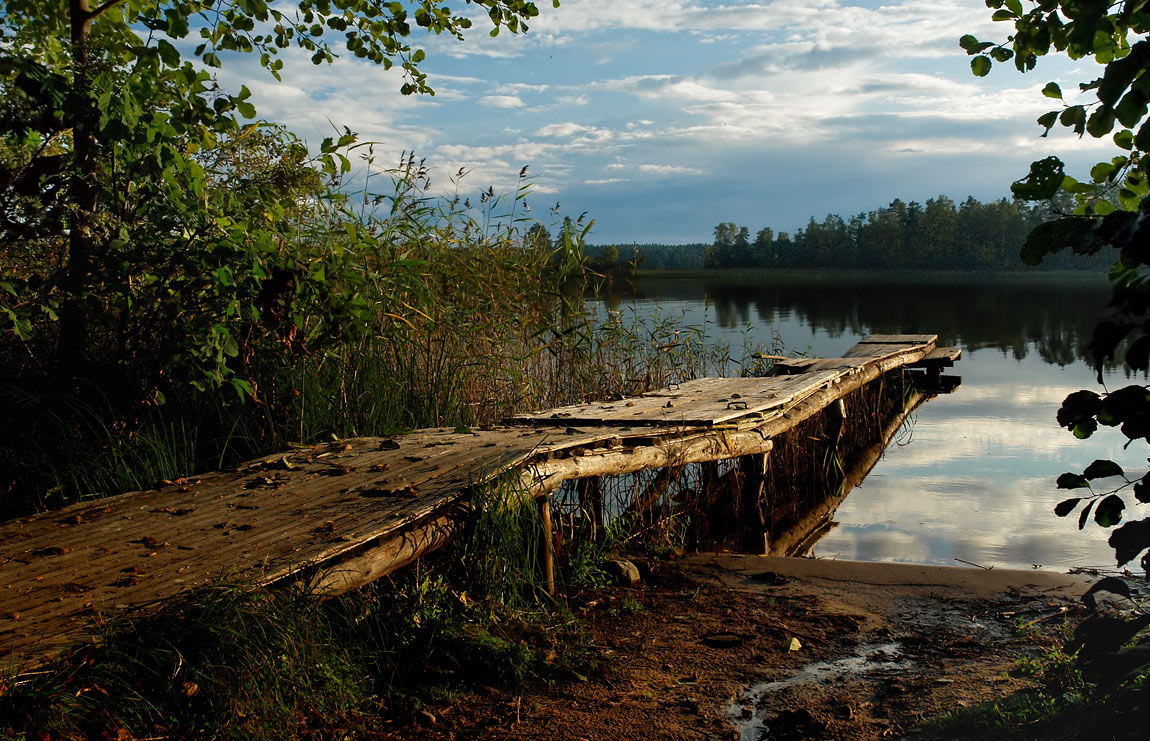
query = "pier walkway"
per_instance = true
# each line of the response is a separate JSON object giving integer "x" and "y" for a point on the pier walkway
{"x": 344, "y": 513}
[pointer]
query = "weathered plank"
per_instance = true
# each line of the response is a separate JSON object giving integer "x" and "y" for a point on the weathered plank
{"x": 262, "y": 522}
{"x": 939, "y": 357}
{"x": 899, "y": 339}
{"x": 547, "y": 476}
{"x": 886, "y": 349}
{"x": 350, "y": 511}
{"x": 704, "y": 403}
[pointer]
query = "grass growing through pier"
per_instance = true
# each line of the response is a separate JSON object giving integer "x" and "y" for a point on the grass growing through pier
{"x": 235, "y": 663}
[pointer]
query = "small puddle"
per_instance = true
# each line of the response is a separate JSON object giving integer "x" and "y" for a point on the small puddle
{"x": 745, "y": 713}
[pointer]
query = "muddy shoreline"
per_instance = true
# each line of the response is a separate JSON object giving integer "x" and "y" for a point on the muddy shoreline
{"x": 742, "y": 647}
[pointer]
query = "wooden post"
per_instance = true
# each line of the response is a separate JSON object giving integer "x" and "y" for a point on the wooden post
{"x": 755, "y": 538}
{"x": 547, "y": 544}
{"x": 597, "y": 508}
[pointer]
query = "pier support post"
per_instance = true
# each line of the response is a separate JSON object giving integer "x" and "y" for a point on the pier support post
{"x": 546, "y": 543}
{"x": 755, "y": 538}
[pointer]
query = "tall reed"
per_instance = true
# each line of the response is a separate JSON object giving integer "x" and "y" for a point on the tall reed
{"x": 476, "y": 312}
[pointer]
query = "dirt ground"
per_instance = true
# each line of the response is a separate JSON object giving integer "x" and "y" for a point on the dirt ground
{"x": 743, "y": 647}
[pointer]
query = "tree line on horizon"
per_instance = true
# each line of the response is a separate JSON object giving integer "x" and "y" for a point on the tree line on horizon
{"x": 939, "y": 234}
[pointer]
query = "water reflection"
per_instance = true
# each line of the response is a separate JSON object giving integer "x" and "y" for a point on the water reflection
{"x": 1053, "y": 320}
{"x": 973, "y": 477}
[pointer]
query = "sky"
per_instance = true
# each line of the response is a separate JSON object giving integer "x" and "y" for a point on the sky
{"x": 662, "y": 118}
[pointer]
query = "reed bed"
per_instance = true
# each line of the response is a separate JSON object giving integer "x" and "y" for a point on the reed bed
{"x": 476, "y": 313}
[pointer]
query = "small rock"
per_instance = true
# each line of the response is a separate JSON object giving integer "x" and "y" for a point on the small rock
{"x": 624, "y": 572}
{"x": 722, "y": 639}
{"x": 770, "y": 577}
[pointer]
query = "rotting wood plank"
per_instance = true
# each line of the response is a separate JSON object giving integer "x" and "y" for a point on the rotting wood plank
{"x": 547, "y": 476}
{"x": 791, "y": 366}
{"x": 884, "y": 349}
{"x": 866, "y": 354}
{"x": 332, "y": 497}
{"x": 852, "y": 365}
{"x": 899, "y": 339}
{"x": 131, "y": 542}
{"x": 348, "y": 512}
{"x": 702, "y": 403}
{"x": 939, "y": 356}
{"x": 334, "y": 490}
{"x": 866, "y": 350}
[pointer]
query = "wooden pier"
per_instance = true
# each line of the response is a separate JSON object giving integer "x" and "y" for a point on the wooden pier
{"x": 345, "y": 513}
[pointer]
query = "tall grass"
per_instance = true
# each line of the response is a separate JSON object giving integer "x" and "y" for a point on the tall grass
{"x": 483, "y": 316}
{"x": 479, "y": 313}
{"x": 222, "y": 662}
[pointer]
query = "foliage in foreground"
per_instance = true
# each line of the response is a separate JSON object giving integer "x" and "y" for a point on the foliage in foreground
{"x": 150, "y": 234}
{"x": 183, "y": 287}
{"x": 1112, "y": 210}
{"x": 1064, "y": 702}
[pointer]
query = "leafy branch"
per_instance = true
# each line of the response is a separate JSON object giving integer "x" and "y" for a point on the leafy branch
{"x": 1112, "y": 211}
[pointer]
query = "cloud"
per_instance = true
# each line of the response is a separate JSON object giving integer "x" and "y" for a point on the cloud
{"x": 501, "y": 101}
{"x": 606, "y": 29}
{"x": 637, "y": 83}
{"x": 579, "y": 137}
{"x": 522, "y": 87}
{"x": 787, "y": 106}
{"x": 899, "y": 84}
{"x": 669, "y": 170}
{"x": 562, "y": 129}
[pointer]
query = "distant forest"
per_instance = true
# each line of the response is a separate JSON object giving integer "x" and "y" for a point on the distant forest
{"x": 938, "y": 235}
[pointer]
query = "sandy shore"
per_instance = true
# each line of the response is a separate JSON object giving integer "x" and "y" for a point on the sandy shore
{"x": 732, "y": 646}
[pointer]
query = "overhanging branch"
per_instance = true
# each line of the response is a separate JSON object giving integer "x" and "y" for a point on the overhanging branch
{"x": 103, "y": 9}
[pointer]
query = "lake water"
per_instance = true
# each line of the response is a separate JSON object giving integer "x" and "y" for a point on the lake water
{"x": 972, "y": 477}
